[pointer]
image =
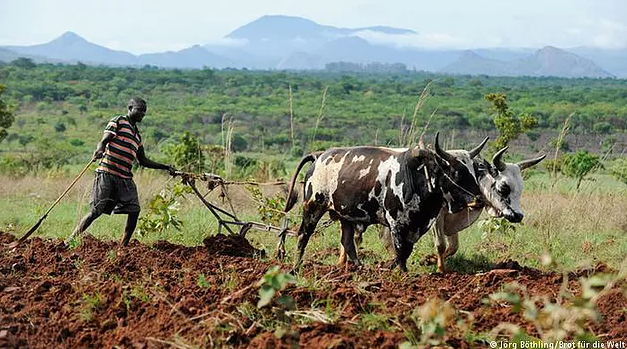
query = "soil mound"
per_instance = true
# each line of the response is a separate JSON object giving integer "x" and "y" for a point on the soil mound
{"x": 231, "y": 245}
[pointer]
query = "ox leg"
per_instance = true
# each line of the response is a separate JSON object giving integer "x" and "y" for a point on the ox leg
{"x": 348, "y": 241}
{"x": 402, "y": 247}
{"x": 311, "y": 215}
{"x": 440, "y": 242}
{"x": 359, "y": 231}
{"x": 453, "y": 245}
{"x": 403, "y": 254}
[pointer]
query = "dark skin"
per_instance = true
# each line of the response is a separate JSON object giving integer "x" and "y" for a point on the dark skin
{"x": 136, "y": 113}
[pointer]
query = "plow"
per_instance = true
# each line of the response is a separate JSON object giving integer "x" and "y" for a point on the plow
{"x": 227, "y": 220}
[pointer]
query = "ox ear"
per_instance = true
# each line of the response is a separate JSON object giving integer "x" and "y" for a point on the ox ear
{"x": 528, "y": 163}
{"x": 474, "y": 152}
{"x": 498, "y": 161}
{"x": 417, "y": 152}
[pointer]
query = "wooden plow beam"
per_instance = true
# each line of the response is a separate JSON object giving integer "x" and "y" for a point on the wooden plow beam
{"x": 214, "y": 181}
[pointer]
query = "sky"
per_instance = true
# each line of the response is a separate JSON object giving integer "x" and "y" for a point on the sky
{"x": 143, "y": 26}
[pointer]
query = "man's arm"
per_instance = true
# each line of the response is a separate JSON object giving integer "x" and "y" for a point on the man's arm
{"x": 100, "y": 148}
{"x": 144, "y": 161}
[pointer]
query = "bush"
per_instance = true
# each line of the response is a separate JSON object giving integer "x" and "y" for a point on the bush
{"x": 618, "y": 168}
{"x": 579, "y": 165}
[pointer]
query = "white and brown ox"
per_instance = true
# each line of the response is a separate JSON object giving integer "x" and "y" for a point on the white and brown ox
{"x": 402, "y": 189}
{"x": 501, "y": 185}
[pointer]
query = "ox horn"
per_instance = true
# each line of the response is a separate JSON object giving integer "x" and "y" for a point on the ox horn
{"x": 443, "y": 154}
{"x": 528, "y": 163}
{"x": 497, "y": 161}
{"x": 474, "y": 152}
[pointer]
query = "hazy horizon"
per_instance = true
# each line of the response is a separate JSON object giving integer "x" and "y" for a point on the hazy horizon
{"x": 155, "y": 26}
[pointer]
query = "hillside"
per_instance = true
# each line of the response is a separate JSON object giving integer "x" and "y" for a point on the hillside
{"x": 548, "y": 61}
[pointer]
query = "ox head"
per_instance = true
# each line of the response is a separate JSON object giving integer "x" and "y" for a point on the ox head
{"x": 466, "y": 156}
{"x": 502, "y": 185}
{"x": 455, "y": 180}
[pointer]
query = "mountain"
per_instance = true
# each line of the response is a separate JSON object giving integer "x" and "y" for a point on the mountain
{"x": 72, "y": 48}
{"x": 277, "y": 27}
{"x": 195, "y": 57}
{"x": 295, "y": 43}
{"x": 548, "y": 61}
{"x": 612, "y": 60}
{"x": 471, "y": 63}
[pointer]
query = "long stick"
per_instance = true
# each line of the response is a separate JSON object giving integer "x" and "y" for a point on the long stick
{"x": 32, "y": 230}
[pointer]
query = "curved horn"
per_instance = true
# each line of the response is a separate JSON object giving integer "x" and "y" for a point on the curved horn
{"x": 443, "y": 154}
{"x": 474, "y": 152}
{"x": 497, "y": 161}
{"x": 528, "y": 163}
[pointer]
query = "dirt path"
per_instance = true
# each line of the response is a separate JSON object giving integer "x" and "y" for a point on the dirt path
{"x": 99, "y": 296}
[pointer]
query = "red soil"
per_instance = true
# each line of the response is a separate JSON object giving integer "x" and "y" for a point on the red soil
{"x": 101, "y": 295}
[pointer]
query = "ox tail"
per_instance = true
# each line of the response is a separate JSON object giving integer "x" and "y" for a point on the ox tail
{"x": 292, "y": 195}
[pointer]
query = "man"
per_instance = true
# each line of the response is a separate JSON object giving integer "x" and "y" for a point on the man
{"x": 113, "y": 189}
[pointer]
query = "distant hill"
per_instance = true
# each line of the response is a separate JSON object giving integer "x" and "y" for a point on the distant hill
{"x": 548, "y": 61}
{"x": 278, "y": 27}
{"x": 287, "y": 42}
{"x": 195, "y": 57}
{"x": 471, "y": 63}
{"x": 71, "y": 47}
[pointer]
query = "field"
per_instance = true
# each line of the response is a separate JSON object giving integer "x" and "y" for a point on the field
{"x": 200, "y": 289}
{"x": 558, "y": 277}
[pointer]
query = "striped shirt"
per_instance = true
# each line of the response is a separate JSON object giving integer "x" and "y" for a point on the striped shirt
{"x": 121, "y": 151}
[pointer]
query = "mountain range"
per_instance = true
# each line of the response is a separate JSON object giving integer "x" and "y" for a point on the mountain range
{"x": 294, "y": 43}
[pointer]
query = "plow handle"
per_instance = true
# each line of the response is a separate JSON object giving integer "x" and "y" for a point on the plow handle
{"x": 32, "y": 230}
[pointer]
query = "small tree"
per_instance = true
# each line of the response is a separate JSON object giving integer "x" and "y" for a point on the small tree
{"x": 579, "y": 165}
{"x": 619, "y": 169}
{"x": 187, "y": 153}
{"x": 508, "y": 125}
{"x": 6, "y": 116}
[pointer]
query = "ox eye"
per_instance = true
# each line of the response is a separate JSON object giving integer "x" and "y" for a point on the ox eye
{"x": 504, "y": 190}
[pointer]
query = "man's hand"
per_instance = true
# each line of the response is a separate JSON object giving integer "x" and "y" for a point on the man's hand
{"x": 98, "y": 154}
{"x": 171, "y": 170}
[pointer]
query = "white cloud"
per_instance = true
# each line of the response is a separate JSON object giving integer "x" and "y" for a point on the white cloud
{"x": 430, "y": 40}
{"x": 422, "y": 40}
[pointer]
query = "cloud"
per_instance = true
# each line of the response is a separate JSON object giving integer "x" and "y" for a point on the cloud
{"x": 419, "y": 40}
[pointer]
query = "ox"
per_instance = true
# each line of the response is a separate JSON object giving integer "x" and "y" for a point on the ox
{"x": 402, "y": 189}
{"x": 501, "y": 185}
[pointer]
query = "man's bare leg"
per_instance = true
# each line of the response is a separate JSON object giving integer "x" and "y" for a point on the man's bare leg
{"x": 85, "y": 222}
{"x": 131, "y": 223}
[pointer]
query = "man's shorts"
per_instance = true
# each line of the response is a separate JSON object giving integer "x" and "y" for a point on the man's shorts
{"x": 110, "y": 193}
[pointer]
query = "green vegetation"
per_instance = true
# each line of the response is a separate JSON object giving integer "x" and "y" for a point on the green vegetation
{"x": 63, "y": 108}
{"x": 6, "y": 117}
{"x": 579, "y": 165}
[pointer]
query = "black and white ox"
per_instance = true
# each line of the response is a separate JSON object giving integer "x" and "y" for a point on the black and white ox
{"x": 501, "y": 185}
{"x": 403, "y": 190}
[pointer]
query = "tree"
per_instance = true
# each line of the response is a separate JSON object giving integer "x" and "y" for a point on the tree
{"x": 508, "y": 125}
{"x": 6, "y": 116}
{"x": 24, "y": 62}
{"x": 579, "y": 165}
{"x": 187, "y": 154}
{"x": 619, "y": 169}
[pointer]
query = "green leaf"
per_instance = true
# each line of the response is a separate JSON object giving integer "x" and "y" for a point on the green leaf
{"x": 265, "y": 296}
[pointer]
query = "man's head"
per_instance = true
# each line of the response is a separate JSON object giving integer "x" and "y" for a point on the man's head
{"x": 136, "y": 109}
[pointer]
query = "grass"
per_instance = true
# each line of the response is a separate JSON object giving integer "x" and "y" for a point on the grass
{"x": 575, "y": 228}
